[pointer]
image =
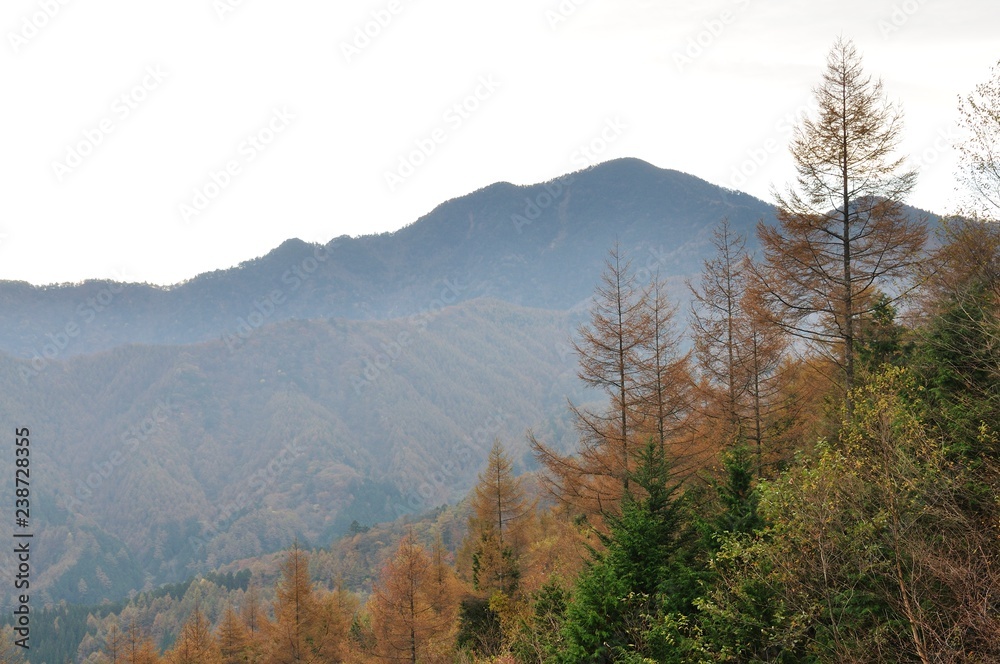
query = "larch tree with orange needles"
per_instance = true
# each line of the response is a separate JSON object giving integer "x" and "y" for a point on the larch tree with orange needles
{"x": 843, "y": 234}
{"x": 499, "y": 507}
{"x": 629, "y": 350}
{"x": 411, "y": 620}
{"x": 196, "y": 645}
{"x": 738, "y": 350}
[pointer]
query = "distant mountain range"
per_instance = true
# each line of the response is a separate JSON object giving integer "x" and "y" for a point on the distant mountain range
{"x": 177, "y": 429}
{"x": 537, "y": 246}
{"x": 152, "y": 462}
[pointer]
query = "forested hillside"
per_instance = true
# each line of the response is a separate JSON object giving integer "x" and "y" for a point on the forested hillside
{"x": 802, "y": 466}
{"x": 162, "y": 461}
{"x": 757, "y": 518}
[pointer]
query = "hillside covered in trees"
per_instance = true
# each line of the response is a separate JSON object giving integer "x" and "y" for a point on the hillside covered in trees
{"x": 803, "y": 467}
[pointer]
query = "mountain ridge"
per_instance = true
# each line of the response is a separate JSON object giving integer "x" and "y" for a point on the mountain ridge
{"x": 158, "y": 461}
{"x": 540, "y": 245}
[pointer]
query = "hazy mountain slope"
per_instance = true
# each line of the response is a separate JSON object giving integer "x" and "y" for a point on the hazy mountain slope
{"x": 540, "y": 245}
{"x": 172, "y": 458}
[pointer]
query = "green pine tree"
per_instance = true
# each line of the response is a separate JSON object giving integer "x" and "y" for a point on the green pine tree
{"x": 638, "y": 576}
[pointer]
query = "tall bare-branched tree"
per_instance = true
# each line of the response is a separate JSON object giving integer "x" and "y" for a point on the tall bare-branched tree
{"x": 609, "y": 350}
{"x": 979, "y": 166}
{"x": 630, "y": 351}
{"x": 665, "y": 389}
{"x": 843, "y": 233}
{"x": 738, "y": 349}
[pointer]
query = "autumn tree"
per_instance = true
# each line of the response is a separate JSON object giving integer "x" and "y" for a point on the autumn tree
{"x": 498, "y": 507}
{"x": 843, "y": 233}
{"x": 114, "y": 645}
{"x": 715, "y": 326}
{"x": 609, "y": 352}
{"x": 195, "y": 644}
{"x": 445, "y": 586}
{"x": 494, "y": 544}
{"x": 665, "y": 388}
{"x": 411, "y": 623}
{"x": 232, "y": 638}
{"x": 9, "y": 652}
{"x": 254, "y": 620}
{"x": 979, "y": 166}
{"x": 629, "y": 350}
{"x": 295, "y": 607}
{"x": 739, "y": 351}
{"x": 138, "y": 645}
{"x": 335, "y": 612}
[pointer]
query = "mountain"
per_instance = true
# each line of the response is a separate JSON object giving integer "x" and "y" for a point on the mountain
{"x": 538, "y": 246}
{"x": 178, "y": 429}
{"x": 153, "y": 462}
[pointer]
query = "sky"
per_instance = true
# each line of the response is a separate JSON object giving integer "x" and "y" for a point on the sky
{"x": 154, "y": 141}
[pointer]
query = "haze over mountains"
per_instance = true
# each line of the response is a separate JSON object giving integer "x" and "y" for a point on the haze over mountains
{"x": 538, "y": 246}
{"x": 182, "y": 428}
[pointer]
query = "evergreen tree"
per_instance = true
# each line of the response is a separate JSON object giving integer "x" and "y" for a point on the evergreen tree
{"x": 957, "y": 350}
{"x": 738, "y": 497}
{"x": 636, "y": 574}
{"x": 540, "y": 638}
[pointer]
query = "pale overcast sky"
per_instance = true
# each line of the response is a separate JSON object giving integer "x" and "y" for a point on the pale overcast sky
{"x": 152, "y": 141}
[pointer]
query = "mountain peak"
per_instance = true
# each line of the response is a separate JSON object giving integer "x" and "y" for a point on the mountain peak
{"x": 539, "y": 245}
